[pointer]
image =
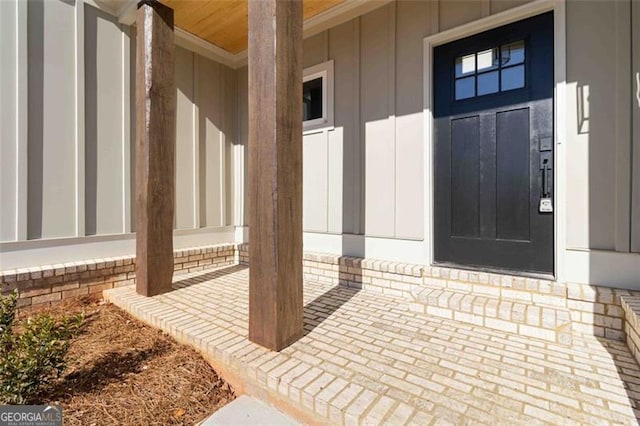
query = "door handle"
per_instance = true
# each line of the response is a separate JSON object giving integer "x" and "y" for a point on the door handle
{"x": 545, "y": 167}
{"x": 638, "y": 88}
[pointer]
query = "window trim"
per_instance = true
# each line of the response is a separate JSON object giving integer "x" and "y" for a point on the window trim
{"x": 325, "y": 71}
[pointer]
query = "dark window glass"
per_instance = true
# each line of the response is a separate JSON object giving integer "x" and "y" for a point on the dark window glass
{"x": 312, "y": 99}
{"x": 513, "y": 78}
{"x": 488, "y": 83}
{"x": 465, "y": 88}
{"x": 513, "y": 53}
{"x": 490, "y": 71}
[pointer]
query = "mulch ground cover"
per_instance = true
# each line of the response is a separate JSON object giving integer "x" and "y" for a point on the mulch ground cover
{"x": 124, "y": 372}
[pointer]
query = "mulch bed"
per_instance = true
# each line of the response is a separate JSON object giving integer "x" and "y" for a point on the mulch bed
{"x": 123, "y": 372}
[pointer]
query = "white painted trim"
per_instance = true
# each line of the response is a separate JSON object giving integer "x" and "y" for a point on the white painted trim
{"x": 101, "y": 5}
{"x": 344, "y": 12}
{"x": 359, "y": 148}
{"x": 391, "y": 99}
{"x": 195, "y": 142}
{"x": 392, "y": 249}
{"x": 22, "y": 120}
{"x": 23, "y": 254}
{"x": 561, "y": 134}
{"x": 222, "y": 169}
{"x": 635, "y": 137}
{"x": 527, "y": 10}
{"x": 127, "y": 12}
{"x": 324, "y": 71}
{"x": 79, "y": 121}
{"x": 238, "y": 184}
{"x": 427, "y": 125}
{"x": 126, "y": 129}
{"x": 242, "y": 234}
{"x": 623, "y": 122}
{"x": 512, "y": 15}
{"x": 340, "y": 14}
{"x": 208, "y": 50}
{"x": 605, "y": 268}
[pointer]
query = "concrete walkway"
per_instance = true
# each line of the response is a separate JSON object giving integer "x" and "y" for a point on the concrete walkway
{"x": 248, "y": 411}
{"x": 367, "y": 359}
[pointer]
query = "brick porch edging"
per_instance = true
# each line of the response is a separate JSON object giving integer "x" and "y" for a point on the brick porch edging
{"x": 41, "y": 286}
{"x": 594, "y": 309}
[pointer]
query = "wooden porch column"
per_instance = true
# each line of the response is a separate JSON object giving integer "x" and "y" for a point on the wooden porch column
{"x": 155, "y": 146}
{"x": 275, "y": 172}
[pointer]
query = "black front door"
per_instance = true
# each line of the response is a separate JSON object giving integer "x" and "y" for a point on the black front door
{"x": 493, "y": 99}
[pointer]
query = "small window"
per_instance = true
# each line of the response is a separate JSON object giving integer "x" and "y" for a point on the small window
{"x": 312, "y": 99}
{"x": 317, "y": 97}
{"x": 494, "y": 70}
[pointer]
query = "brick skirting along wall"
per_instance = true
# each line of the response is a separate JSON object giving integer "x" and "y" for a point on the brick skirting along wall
{"x": 593, "y": 309}
{"x": 41, "y": 286}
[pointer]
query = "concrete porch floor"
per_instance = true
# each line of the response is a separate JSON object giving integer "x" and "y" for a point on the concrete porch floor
{"x": 366, "y": 359}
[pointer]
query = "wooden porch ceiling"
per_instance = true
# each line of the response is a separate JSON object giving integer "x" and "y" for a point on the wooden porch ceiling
{"x": 224, "y": 22}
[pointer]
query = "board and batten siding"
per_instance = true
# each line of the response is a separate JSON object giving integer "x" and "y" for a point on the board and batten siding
{"x": 366, "y": 174}
{"x": 601, "y": 91}
{"x": 72, "y": 86}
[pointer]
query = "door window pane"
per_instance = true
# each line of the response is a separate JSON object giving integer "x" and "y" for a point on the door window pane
{"x": 312, "y": 99}
{"x": 465, "y": 65}
{"x": 488, "y": 83}
{"x": 490, "y": 71}
{"x": 465, "y": 88}
{"x": 513, "y": 78}
{"x": 488, "y": 59}
{"x": 513, "y": 53}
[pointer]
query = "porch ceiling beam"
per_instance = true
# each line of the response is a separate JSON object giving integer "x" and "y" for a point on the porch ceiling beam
{"x": 155, "y": 146}
{"x": 275, "y": 172}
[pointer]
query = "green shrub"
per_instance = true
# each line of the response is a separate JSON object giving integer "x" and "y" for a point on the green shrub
{"x": 32, "y": 352}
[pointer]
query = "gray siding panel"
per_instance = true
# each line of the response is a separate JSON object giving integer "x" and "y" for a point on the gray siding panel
{"x": 52, "y": 111}
{"x": 104, "y": 164}
{"x": 8, "y": 116}
{"x": 599, "y": 122}
{"x": 230, "y": 134}
{"x": 502, "y": 5}
{"x": 367, "y": 172}
{"x": 242, "y": 132}
{"x": 635, "y": 102}
{"x": 378, "y": 131}
{"x": 345, "y": 142}
{"x": 411, "y": 29}
{"x": 314, "y": 48}
{"x": 210, "y": 103}
{"x": 314, "y": 181}
{"x": 459, "y": 12}
{"x": 184, "y": 213}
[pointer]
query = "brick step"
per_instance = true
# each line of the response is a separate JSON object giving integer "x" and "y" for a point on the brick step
{"x": 546, "y": 322}
{"x": 631, "y": 308}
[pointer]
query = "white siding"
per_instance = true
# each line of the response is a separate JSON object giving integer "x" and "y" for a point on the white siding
{"x": 81, "y": 127}
{"x": 8, "y": 119}
{"x": 185, "y": 129}
{"x": 105, "y": 127}
{"x": 599, "y": 145}
{"x": 52, "y": 126}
